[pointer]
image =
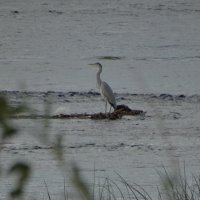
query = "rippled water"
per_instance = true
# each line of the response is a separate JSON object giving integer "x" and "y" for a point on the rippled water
{"x": 134, "y": 147}
{"x": 48, "y": 45}
{"x": 150, "y": 56}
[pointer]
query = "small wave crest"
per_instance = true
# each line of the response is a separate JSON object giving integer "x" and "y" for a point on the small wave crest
{"x": 55, "y": 96}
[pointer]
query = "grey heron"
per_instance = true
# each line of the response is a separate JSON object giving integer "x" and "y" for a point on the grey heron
{"x": 105, "y": 89}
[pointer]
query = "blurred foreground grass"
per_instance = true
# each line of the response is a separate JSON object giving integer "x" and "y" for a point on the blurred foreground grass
{"x": 172, "y": 187}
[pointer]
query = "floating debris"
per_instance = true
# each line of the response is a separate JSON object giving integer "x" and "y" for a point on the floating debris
{"x": 14, "y": 12}
{"x": 119, "y": 112}
{"x": 55, "y": 12}
{"x": 110, "y": 57}
{"x": 125, "y": 110}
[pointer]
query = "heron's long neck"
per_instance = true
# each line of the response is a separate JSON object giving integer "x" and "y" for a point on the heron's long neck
{"x": 98, "y": 78}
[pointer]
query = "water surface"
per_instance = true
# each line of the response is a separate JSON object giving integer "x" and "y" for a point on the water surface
{"x": 150, "y": 56}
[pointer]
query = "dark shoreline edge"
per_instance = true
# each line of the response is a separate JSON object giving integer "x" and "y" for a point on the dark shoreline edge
{"x": 195, "y": 98}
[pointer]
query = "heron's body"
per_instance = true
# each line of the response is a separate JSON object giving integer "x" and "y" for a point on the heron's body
{"x": 107, "y": 94}
{"x": 105, "y": 89}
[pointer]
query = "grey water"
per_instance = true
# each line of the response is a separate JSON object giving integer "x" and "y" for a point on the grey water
{"x": 150, "y": 52}
{"x": 144, "y": 46}
{"x": 134, "y": 147}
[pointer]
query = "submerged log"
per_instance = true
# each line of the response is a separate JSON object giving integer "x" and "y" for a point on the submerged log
{"x": 119, "y": 112}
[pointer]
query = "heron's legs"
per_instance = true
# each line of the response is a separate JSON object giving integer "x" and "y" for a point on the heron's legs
{"x": 110, "y": 109}
{"x": 106, "y": 107}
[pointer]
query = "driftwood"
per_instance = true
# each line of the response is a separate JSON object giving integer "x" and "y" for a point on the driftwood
{"x": 120, "y": 111}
